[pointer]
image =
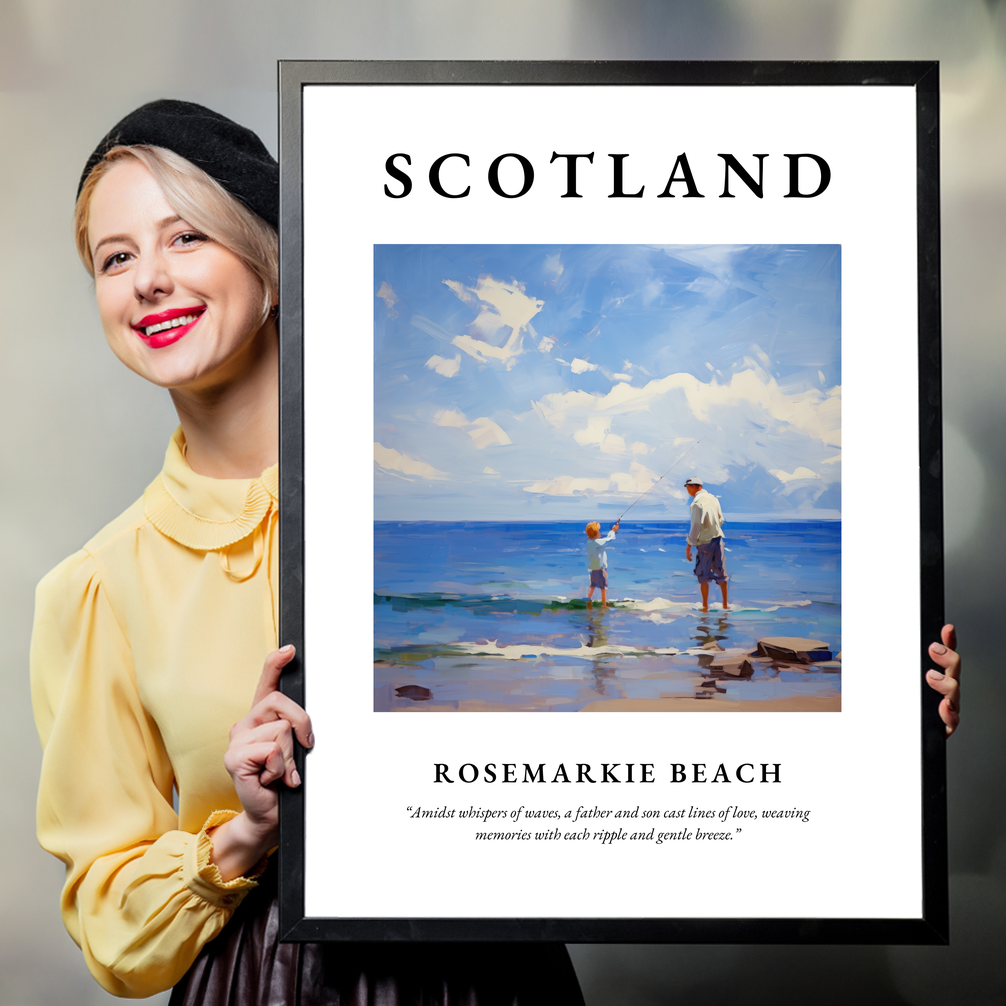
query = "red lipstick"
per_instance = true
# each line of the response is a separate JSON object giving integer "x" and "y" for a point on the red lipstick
{"x": 166, "y": 326}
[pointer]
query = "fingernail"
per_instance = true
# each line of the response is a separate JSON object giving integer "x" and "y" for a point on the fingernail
{"x": 951, "y": 706}
{"x": 310, "y": 740}
{"x": 938, "y": 648}
{"x": 287, "y": 649}
{"x": 936, "y": 675}
{"x": 295, "y": 777}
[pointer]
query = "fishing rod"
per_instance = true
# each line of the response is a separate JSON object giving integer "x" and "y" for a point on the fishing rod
{"x": 662, "y": 477}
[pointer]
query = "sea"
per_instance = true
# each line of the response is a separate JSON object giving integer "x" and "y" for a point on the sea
{"x": 493, "y": 616}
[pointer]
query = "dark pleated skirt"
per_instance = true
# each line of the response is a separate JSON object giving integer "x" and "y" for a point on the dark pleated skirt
{"x": 246, "y": 965}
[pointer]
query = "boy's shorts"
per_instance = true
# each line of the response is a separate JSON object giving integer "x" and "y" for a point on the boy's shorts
{"x": 709, "y": 562}
{"x": 599, "y": 578}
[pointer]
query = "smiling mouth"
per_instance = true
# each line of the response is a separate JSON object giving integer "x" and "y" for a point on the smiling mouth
{"x": 164, "y": 326}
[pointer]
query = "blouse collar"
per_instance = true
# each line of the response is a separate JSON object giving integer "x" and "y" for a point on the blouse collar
{"x": 204, "y": 513}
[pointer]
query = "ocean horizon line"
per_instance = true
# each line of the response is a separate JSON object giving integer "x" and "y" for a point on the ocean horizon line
{"x": 727, "y": 519}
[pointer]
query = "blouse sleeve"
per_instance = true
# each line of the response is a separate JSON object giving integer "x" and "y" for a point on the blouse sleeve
{"x": 141, "y": 898}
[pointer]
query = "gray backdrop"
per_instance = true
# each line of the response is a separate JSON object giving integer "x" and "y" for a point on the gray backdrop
{"x": 82, "y": 436}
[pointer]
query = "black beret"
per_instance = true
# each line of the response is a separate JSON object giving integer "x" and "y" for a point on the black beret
{"x": 230, "y": 154}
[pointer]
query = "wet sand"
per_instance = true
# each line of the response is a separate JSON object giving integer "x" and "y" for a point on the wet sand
{"x": 719, "y": 704}
{"x": 701, "y": 690}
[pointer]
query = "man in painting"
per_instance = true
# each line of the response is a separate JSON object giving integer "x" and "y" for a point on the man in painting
{"x": 706, "y": 536}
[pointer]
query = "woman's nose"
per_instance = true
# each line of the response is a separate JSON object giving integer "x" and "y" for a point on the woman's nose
{"x": 152, "y": 277}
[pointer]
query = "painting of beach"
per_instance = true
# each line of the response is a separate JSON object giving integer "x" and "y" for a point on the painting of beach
{"x": 523, "y": 392}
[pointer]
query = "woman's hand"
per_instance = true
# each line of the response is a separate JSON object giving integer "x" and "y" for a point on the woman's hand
{"x": 947, "y": 682}
{"x": 260, "y": 753}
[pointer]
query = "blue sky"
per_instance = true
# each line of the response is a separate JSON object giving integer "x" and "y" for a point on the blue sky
{"x": 538, "y": 382}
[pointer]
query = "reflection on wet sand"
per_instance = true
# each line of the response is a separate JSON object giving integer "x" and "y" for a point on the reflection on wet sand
{"x": 581, "y": 665}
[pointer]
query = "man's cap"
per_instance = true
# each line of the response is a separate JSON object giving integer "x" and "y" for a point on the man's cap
{"x": 693, "y": 482}
{"x": 229, "y": 153}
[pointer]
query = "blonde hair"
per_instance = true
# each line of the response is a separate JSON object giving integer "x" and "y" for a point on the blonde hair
{"x": 199, "y": 200}
{"x": 593, "y": 529}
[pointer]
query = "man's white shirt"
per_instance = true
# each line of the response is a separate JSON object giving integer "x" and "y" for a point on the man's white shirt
{"x": 707, "y": 518}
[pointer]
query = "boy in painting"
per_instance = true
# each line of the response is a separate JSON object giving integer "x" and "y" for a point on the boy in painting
{"x": 597, "y": 561}
{"x": 706, "y": 536}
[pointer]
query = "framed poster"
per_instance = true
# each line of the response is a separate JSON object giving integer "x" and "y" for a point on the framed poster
{"x": 575, "y": 357}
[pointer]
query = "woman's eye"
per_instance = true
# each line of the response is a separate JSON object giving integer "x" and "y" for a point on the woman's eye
{"x": 190, "y": 238}
{"x": 114, "y": 261}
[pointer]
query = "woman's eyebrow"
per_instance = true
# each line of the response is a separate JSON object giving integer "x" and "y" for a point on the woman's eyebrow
{"x": 109, "y": 240}
{"x": 160, "y": 225}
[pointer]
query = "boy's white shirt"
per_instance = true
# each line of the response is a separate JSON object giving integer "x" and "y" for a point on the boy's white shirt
{"x": 597, "y": 557}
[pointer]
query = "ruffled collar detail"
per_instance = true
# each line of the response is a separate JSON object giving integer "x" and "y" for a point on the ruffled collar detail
{"x": 203, "y": 513}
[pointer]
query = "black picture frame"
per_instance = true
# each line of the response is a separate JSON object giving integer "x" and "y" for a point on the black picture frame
{"x": 932, "y": 926}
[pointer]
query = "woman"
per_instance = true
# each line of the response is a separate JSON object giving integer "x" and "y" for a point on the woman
{"x": 148, "y": 643}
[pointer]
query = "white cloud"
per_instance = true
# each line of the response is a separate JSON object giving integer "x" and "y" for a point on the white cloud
{"x": 799, "y": 473}
{"x": 394, "y": 461}
{"x": 448, "y": 368}
{"x": 553, "y": 267}
{"x": 749, "y": 393}
{"x": 652, "y": 291}
{"x": 597, "y": 431}
{"x": 484, "y": 353}
{"x": 489, "y": 471}
{"x": 637, "y": 480}
{"x": 622, "y": 377}
{"x": 546, "y": 344}
{"x": 465, "y": 294}
{"x": 706, "y": 287}
{"x": 640, "y": 448}
{"x": 579, "y": 366}
{"x": 450, "y": 417}
{"x": 390, "y": 298}
{"x": 804, "y": 485}
{"x": 594, "y": 432}
{"x": 566, "y": 485}
{"x": 498, "y": 305}
{"x": 624, "y": 484}
{"x": 486, "y": 433}
{"x": 483, "y": 431}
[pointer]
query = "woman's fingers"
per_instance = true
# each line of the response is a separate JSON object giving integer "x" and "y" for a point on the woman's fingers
{"x": 277, "y": 706}
{"x": 949, "y": 636}
{"x": 271, "y": 671}
{"x": 278, "y": 735}
{"x": 947, "y": 681}
{"x": 259, "y": 761}
{"x": 270, "y": 703}
{"x": 949, "y": 688}
{"x": 261, "y": 749}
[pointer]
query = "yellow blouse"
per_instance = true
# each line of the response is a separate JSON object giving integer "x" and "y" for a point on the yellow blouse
{"x": 147, "y": 647}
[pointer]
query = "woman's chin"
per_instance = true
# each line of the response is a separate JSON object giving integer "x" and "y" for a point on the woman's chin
{"x": 195, "y": 365}
{"x": 174, "y": 373}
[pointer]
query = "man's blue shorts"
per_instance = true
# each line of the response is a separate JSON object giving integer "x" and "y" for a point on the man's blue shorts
{"x": 709, "y": 562}
{"x": 599, "y": 578}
